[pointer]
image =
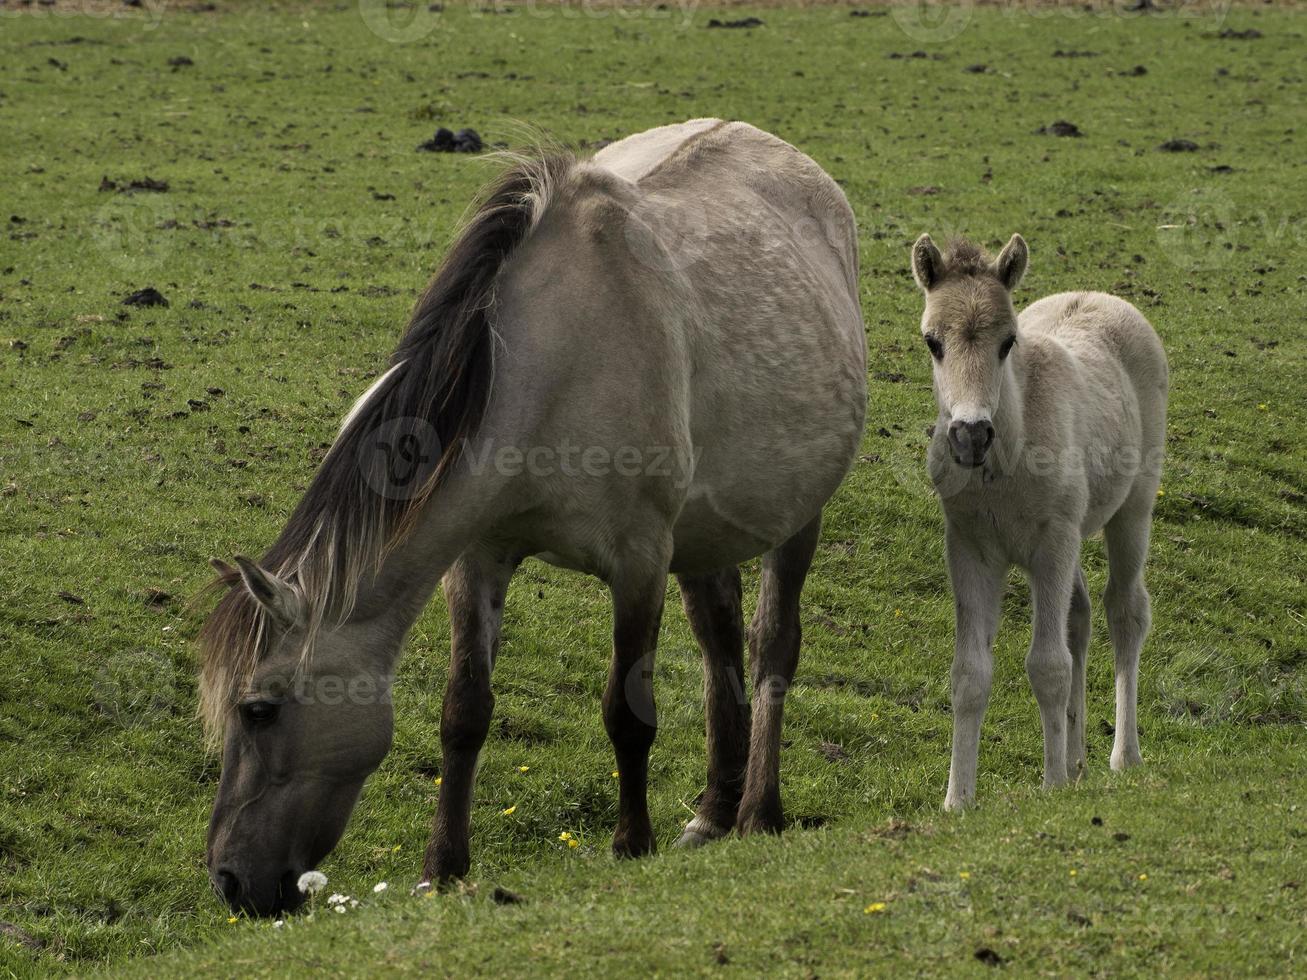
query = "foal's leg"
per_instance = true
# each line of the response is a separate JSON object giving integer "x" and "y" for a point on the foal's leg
{"x": 977, "y": 596}
{"x": 1128, "y": 617}
{"x": 774, "y": 655}
{"x": 1048, "y": 664}
{"x": 474, "y": 591}
{"x": 629, "y": 713}
{"x": 1079, "y": 629}
{"x": 712, "y": 604}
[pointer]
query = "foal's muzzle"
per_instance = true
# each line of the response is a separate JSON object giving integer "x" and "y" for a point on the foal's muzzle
{"x": 970, "y": 441}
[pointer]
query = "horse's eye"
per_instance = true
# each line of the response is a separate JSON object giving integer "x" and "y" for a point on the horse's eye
{"x": 936, "y": 348}
{"x": 1006, "y": 349}
{"x": 260, "y": 712}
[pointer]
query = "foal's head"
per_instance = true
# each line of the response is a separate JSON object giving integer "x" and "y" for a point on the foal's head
{"x": 304, "y": 715}
{"x": 970, "y": 327}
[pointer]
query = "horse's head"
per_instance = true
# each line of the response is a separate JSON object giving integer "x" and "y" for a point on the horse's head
{"x": 304, "y": 714}
{"x": 970, "y": 326}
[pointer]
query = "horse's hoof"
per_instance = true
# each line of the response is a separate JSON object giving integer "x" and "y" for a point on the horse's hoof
{"x": 699, "y": 832}
{"x": 633, "y": 843}
{"x": 764, "y": 816}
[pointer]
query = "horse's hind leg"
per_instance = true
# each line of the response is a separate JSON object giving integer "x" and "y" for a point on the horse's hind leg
{"x": 1079, "y": 629}
{"x": 1128, "y": 615}
{"x": 774, "y": 655}
{"x": 629, "y": 713}
{"x": 475, "y": 587}
{"x": 712, "y": 604}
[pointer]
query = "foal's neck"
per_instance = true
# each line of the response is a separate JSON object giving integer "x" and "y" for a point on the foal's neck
{"x": 1009, "y": 414}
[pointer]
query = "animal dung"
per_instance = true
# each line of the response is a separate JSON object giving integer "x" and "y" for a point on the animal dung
{"x": 743, "y": 22}
{"x": 1059, "y": 128}
{"x": 1178, "y": 146}
{"x": 448, "y": 141}
{"x": 149, "y": 296}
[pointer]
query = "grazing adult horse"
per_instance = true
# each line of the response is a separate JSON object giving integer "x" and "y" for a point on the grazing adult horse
{"x": 1051, "y": 427}
{"x": 649, "y": 362}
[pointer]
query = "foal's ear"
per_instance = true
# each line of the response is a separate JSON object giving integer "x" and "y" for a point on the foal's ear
{"x": 279, "y": 598}
{"x": 927, "y": 263}
{"x": 1010, "y": 265}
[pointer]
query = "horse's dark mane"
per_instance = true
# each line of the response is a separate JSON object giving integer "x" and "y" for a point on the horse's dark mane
{"x": 440, "y": 373}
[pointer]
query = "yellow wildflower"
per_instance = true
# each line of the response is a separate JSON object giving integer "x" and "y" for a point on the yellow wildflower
{"x": 964, "y": 875}
{"x": 874, "y": 908}
{"x": 614, "y": 773}
{"x": 510, "y": 810}
{"x": 573, "y": 842}
{"x": 1143, "y": 877}
{"x": 437, "y": 780}
{"x": 1074, "y": 872}
{"x": 523, "y": 768}
{"x": 231, "y": 921}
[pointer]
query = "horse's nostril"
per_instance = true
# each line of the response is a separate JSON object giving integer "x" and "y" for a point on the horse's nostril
{"x": 227, "y": 885}
{"x": 988, "y": 435}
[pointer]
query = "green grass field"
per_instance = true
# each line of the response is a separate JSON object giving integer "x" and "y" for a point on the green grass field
{"x": 299, "y": 224}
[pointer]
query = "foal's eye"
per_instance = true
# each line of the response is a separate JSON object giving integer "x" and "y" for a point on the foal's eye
{"x": 260, "y": 712}
{"x": 936, "y": 348}
{"x": 1006, "y": 349}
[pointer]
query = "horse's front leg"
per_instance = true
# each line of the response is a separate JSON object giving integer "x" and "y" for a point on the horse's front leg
{"x": 1049, "y": 662}
{"x": 475, "y": 587}
{"x": 630, "y": 716}
{"x": 977, "y": 595}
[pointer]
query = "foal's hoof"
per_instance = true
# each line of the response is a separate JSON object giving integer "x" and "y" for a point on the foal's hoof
{"x": 1126, "y": 760}
{"x": 699, "y": 832}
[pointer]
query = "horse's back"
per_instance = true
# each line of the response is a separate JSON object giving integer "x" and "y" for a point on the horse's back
{"x": 694, "y": 287}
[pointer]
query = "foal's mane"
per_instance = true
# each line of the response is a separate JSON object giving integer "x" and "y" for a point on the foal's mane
{"x": 441, "y": 372}
{"x": 964, "y": 258}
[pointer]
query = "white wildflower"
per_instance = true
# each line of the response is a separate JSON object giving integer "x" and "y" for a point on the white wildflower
{"x": 337, "y": 899}
{"x": 340, "y": 909}
{"x": 312, "y": 882}
{"x": 379, "y": 887}
{"x": 279, "y": 923}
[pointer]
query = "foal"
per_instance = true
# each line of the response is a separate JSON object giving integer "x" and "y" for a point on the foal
{"x": 1050, "y": 428}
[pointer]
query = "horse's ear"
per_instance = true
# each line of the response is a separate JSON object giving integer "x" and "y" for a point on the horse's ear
{"x": 927, "y": 263}
{"x": 1010, "y": 265}
{"x": 279, "y": 598}
{"x": 226, "y": 574}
